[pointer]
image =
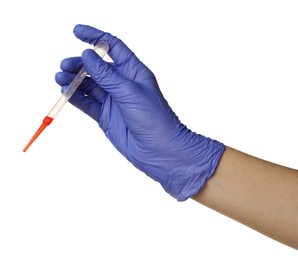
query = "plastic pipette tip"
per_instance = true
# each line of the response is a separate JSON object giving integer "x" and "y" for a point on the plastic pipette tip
{"x": 46, "y": 121}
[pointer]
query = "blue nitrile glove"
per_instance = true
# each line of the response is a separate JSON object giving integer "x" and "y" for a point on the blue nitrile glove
{"x": 124, "y": 98}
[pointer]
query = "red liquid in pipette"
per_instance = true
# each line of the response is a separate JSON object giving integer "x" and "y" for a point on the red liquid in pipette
{"x": 46, "y": 121}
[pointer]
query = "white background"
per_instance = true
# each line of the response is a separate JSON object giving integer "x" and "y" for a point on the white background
{"x": 228, "y": 69}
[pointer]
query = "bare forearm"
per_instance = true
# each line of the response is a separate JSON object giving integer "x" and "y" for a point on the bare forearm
{"x": 257, "y": 193}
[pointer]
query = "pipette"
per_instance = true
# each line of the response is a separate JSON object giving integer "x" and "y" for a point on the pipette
{"x": 101, "y": 48}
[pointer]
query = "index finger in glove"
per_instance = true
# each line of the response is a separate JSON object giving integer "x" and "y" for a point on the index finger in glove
{"x": 118, "y": 51}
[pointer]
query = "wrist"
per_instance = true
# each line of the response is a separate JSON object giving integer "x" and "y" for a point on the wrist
{"x": 197, "y": 161}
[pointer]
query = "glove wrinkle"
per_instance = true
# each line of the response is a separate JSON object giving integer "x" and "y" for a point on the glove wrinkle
{"x": 126, "y": 101}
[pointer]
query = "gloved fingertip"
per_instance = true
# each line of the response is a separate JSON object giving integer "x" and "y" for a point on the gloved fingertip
{"x": 58, "y": 77}
{"x": 64, "y": 64}
{"x": 63, "y": 88}
{"x": 77, "y": 29}
{"x": 92, "y": 62}
{"x": 64, "y": 78}
{"x": 90, "y": 56}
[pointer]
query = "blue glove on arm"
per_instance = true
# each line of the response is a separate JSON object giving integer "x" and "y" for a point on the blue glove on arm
{"x": 124, "y": 98}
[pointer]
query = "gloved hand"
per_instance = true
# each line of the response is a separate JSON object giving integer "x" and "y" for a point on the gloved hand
{"x": 124, "y": 98}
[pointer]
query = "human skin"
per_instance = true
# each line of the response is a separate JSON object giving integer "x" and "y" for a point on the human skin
{"x": 125, "y": 99}
{"x": 257, "y": 193}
